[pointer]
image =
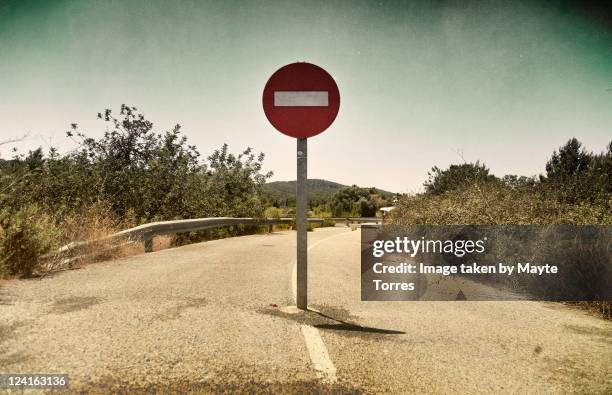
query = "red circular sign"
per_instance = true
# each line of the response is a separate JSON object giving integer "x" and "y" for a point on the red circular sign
{"x": 301, "y": 100}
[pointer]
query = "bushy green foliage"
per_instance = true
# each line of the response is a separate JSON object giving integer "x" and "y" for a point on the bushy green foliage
{"x": 272, "y": 212}
{"x": 496, "y": 203}
{"x": 25, "y": 235}
{"x": 328, "y": 223}
{"x": 320, "y": 193}
{"x": 441, "y": 181}
{"x": 577, "y": 189}
{"x": 576, "y": 175}
{"x": 282, "y": 193}
{"x": 140, "y": 174}
{"x": 571, "y": 160}
{"x": 356, "y": 201}
{"x": 153, "y": 176}
{"x": 234, "y": 184}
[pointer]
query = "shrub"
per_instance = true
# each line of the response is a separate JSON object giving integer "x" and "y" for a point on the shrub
{"x": 327, "y": 223}
{"x": 131, "y": 175}
{"x": 506, "y": 203}
{"x": 456, "y": 176}
{"x": 574, "y": 175}
{"x": 137, "y": 171}
{"x": 496, "y": 203}
{"x": 356, "y": 201}
{"x": 25, "y": 235}
{"x": 272, "y": 212}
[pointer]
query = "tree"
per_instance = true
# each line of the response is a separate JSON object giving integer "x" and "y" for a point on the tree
{"x": 235, "y": 182}
{"x": 456, "y": 176}
{"x": 598, "y": 178}
{"x": 140, "y": 173}
{"x": 355, "y": 201}
{"x": 572, "y": 160}
{"x": 575, "y": 175}
{"x": 130, "y": 174}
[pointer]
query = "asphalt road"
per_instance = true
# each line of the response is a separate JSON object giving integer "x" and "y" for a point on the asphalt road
{"x": 216, "y": 317}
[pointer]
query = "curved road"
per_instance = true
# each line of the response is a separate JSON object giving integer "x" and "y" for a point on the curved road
{"x": 215, "y": 317}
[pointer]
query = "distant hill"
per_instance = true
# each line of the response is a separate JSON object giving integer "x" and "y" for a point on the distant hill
{"x": 317, "y": 190}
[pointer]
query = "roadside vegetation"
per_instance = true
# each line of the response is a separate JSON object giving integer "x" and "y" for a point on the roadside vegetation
{"x": 134, "y": 174}
{"x": 329, "y": 199}
{"x": 576, "y": 188}
{"x": 131, "y": 175}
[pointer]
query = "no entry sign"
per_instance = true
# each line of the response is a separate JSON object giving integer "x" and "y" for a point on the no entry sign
{"x": 301, "y": 100}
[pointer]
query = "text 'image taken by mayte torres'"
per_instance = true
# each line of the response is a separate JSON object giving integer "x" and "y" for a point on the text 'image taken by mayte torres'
{"x": 485, "y": 262}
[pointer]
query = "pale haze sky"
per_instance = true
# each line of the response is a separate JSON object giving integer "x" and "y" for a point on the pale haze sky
{"x": 501, "y": 82}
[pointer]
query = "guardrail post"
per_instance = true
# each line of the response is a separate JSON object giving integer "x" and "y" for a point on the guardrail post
{"x": 148, "y": 245}
{"x": 347, "y": 223}
{"x": 270, "y": 228}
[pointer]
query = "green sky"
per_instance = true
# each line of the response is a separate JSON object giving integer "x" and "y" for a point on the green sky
{"x": 501, "y": 82}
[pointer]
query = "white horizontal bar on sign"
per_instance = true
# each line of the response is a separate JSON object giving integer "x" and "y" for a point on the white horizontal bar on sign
{"x": 301, "y": 99}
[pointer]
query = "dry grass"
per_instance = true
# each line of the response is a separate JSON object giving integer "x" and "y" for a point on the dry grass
{"x": 162, "y": 242}
{"x": 92, "y": 224}
{"x": 497, "y": 205}
{"x": 602, "y": 308}
{"x": 97, "y": 222}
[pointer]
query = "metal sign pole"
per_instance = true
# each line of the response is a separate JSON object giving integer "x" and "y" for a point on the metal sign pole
{"x": 301, "y": 224}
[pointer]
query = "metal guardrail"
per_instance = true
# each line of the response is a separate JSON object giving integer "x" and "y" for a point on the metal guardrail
{"x": 147, "y": 232}
{"x": 349, "y": 220}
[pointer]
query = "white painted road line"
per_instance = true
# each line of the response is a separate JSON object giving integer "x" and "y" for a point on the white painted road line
{"x": 301, "y": 99}
{"x": 314, "y": 343}
{"x": 318, "y": 354}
